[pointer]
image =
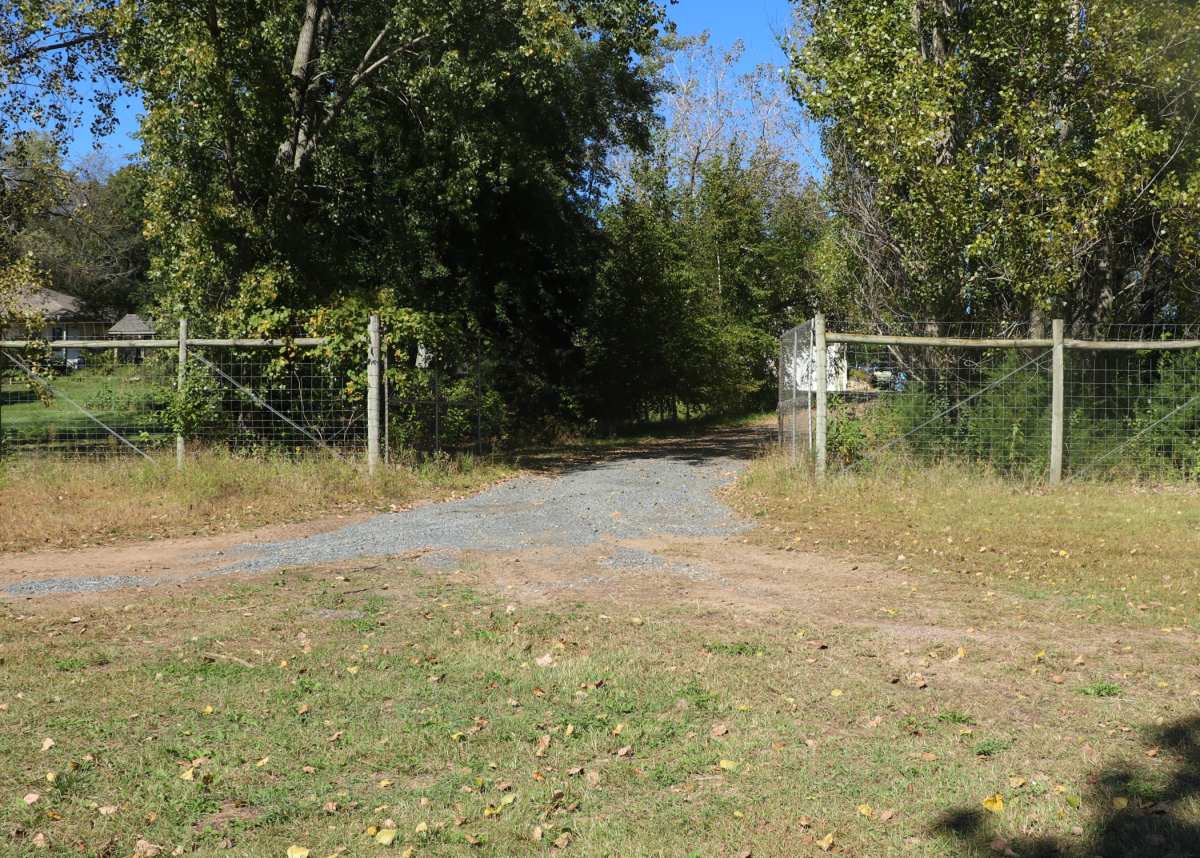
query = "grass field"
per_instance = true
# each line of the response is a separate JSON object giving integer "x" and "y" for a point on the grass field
{"x": 1114, "y": 551}
{"x": 307, "y": 710}
{"x": 58, "y": 503}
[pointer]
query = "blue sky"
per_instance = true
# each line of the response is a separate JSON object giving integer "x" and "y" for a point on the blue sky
{"x": 751, "y": 21}
{"x": 729, "y": 20}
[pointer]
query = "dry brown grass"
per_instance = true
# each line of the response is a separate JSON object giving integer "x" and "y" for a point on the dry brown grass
{"x": 1117, "y": 550}
{"x": 67, "y": 504}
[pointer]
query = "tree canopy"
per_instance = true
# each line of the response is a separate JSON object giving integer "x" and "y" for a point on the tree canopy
{"x": 1007, "y": 159}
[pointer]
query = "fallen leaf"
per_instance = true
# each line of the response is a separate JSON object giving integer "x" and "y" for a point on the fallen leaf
{"x": 537, "y": 833}
{"x": 728, "y": 765}
{"x": 745, "y": 853}
{"x": 777, "y": 746}
{"x": 30, "y": 798}
{"x": 544, "y": 661}
{"x": 1152, "y": 753}
{"x": 308, "y": 770}
{"x": 297, "y": 852}
{"x": 331, "y": 806}
{"x": 994, "y": 803}
{"x": 719, "y": 730}
{"x": 149, "y": 850}
{"x": 189, "y": 775}
{"x": 304, "y": 710}
{"x": 48, "y": 744}
{"x": 107, "y": 811}
{"x": 263, "y": 762}
{"x": 887, "y": 814}
{"x": 1016, "y": 782}
{"x": 825, "y": 843}
{"x": 208, "y": 710}
{"x": 593, "y": 779}
{"x": 876, "y": 721}
{"x": 1073, "y": 800}
{"x": 928, "y": 757}
{"x": 812, "y": 743}
{"x": 837, "y": 692}
{"x": 385, "y": 836}
{"x": 421, "y": 828}
{"x": 805, "y": 822}
{"x": 491, "y": 810}
{"x": 624, "y": 752}
{"x": 336, "y": 736}
{"x": 563, "y": 839}
{"x": 864, "y": 809}
{"x": 617, "y": 729}
{"x": 570, "y": 729}
{"x": 1119, "y": 802}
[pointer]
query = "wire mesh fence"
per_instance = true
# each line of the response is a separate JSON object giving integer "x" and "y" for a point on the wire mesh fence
{"x": 250, "y": 400}
{"x": 293, "y": 396}
{"x": 1126, "y": 402}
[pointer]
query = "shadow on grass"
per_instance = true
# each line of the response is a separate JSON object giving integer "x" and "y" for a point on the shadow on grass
{"x": 1156, "y": 792}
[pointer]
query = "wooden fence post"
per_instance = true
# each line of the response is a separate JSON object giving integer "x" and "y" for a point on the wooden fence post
{"x": 821, "y": 383}
{"x": 179, "y": 439}
{"x": 373, "y": 394}
{"x": 1056, "y": 407}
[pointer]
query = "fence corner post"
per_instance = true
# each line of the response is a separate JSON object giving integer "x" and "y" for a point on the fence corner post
{"x": 180, "y": 441}
{"x": 373, "y": 394}
{"x": 821, "y": 383}
{"x": 1056, "y": 407}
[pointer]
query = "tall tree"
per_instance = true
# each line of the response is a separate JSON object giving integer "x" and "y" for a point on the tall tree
{"x": 1009, "y": 159}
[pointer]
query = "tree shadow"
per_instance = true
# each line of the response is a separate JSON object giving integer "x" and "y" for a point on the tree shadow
{"x": 1146, "y": 824}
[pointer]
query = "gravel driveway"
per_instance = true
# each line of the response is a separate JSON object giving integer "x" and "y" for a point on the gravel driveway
{"x": 668, "y": 489}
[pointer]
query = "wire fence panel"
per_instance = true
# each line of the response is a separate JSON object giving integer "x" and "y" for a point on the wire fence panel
{"x": 110, "y": 402}
{"x": 985, "y": 396}
{"x": 258, "y": 400}
{"x": 125, "y": 390}
{"x": 796, "y": 372}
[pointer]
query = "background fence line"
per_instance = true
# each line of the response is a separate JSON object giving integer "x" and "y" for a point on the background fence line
{"x": 990, "y": 401}
{"x": 251, "y": 395}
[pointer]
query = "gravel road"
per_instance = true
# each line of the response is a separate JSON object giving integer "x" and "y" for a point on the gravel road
{"x": 669, "y": 490}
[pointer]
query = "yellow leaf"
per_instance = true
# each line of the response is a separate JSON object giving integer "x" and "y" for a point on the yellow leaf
{"x": 208, "y": 710}
{"x": 1016, "y": 782}
{"x": 864, "y": 809}
{"x": 385, "y": 836}
{"x": 189, "y": 775}
{"x": 962, "y": 653}
{"x": 837, "y": 692}
{"x": 994, "y": 803}
{"x": 965, "y": 732}
{"x": 263, "y": 761}
{"x": 1060, "y": 789}
{"x": 421, "y": 827}
{"x": 352, "y": 670}
{"x": 297, "y": 852}
{"x": 372, "y": 831}
{"x": 617, "y": 730}
{"x": 1040, "y": 656}
{"x": 458, "y": 737}
{"x": 492, "y": 810}
{"x": 1073, "y": 800}
{"x": 1120, "y": 802}
{"x": 407, "y": 853}
{"x": 825, "y": 843}
{"x": 384, "y": 784}
{"x": 728, "y": 765}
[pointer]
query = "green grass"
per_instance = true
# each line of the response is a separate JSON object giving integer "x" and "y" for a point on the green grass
{"x": 1101, "y": 689}
{"x": 193, "y": 725}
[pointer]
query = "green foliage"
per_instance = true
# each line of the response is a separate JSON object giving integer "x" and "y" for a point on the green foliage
{"x": 1101, "y": 689}
{"x": 1008, "y": 159}
{"x": 953, "y": 716}
{"x": 991, "y": 747}
{"x": 456, "y": 176}
{"x": 196, "y": 406}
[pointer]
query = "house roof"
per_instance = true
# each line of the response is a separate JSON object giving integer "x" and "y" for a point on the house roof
{"x": 55, "y": 306}
{"x": 132, "y": 325}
